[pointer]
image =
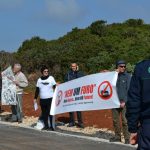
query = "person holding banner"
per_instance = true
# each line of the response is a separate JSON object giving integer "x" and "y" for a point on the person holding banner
{"x": 21, "y": 82}
{"x": 122, "y": 86}
{"x": 45, "y": 88}
{"x": 74, "y": 73}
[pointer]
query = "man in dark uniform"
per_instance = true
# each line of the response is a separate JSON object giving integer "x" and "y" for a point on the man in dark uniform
{"x": 0, "y": 93}
{"x": 74, "y": 73}
{"x": 122, "y": 86}
{"x": 138, "y": 106}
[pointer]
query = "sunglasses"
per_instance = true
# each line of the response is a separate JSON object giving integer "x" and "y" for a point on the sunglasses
{"x": 122, "y": 66}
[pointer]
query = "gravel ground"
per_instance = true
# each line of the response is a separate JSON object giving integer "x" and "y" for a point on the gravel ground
{"x": 61, "y": 127}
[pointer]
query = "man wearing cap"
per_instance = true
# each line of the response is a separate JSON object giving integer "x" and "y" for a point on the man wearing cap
{"x": 122, "y": 86}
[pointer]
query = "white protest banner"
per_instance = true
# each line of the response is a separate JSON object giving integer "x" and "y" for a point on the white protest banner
{"x": 92, "y": 92}
{"x": 8, "y": 95}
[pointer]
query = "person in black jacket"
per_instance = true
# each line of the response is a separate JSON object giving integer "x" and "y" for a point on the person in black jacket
{"x": 74, "y": 73}
{"x": 122, "y": 86}
{"x": 0, "y": 93}
{"x": 138, "y": 106}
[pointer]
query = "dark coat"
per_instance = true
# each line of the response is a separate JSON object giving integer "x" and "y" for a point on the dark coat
{"x": 71, "y": 75}
{"x": 0, "y": 87}
{"x": 123, "y": 83}
{"x": 138, "y": 104}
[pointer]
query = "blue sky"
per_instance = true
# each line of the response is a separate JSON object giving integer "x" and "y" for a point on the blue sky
{"x": 51, "y": 19}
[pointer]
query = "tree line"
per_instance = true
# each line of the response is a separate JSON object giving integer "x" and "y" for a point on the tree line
{"x": 94, "y": 48}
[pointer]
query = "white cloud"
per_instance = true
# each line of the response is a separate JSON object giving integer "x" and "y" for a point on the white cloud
{"x": 10, "y": 4}
{"x": 64, "y": 10}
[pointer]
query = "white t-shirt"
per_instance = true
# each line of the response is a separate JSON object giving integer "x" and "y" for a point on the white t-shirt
{"x": 46, "y": 87}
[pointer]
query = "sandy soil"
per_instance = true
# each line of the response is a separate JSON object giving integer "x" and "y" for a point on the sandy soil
{"x": 96, "y": 119}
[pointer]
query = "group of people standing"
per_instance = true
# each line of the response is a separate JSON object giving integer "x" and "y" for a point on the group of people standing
{"x": 133, "y": 114}
{"x": 46, "y": 85}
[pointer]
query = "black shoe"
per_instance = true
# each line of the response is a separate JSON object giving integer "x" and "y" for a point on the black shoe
{"x": 51, "y": 129}
{"x": 45, "y": 128}
{"x": 19, "y": 121}
{"x": 115, "y": 139}
{"x": 80, "y": 125}
{"x": 71, "y": 124}
{"x": 127, "y": 141}
{"x": 12, "y": 120}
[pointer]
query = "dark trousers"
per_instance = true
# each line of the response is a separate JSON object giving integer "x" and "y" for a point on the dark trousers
{"x": 45, "y": 108}
{"x": 144, "y": 136}
{"x": 79, "y": 117}
{"x": 118, "y": 118}
{"x": 0, "y": 101}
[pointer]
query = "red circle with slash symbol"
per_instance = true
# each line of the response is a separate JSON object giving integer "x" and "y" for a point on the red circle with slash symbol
{"x": 105, "y": 90}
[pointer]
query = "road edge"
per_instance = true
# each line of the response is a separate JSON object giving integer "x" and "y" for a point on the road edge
{"x": 96, "y": 139}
